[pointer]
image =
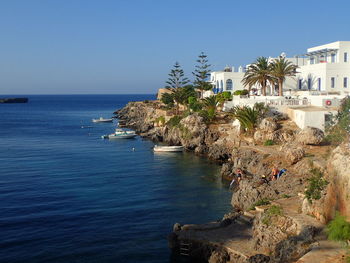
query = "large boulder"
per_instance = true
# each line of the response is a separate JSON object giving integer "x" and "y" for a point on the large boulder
{"x": 292, "y": 153}
{"x": 193, "y": 130}
{"x": 310, "y": 135}
{"x": 268, "y": 125}
{"x": 219, "y": 152}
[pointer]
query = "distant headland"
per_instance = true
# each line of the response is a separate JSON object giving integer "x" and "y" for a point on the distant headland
{"x": 13, "y": 100}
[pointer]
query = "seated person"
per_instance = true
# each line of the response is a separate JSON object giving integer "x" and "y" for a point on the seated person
{"x": 274, "y": 173}
{"x": 281, "y": 173}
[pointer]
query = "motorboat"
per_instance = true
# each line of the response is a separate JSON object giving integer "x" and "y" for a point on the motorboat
{"x": 120, "y": 134}
{"x": 102, "y": 120}
{"x": 158, "y": 148}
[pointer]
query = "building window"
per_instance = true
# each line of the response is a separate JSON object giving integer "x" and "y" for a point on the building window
{"x": 345, "y": 57}
{"x": 309, "y": 83}
{"x": 300, "y": 84}
{"x": 333, "y": 57}
{"x": 319, "y": 83}
{"x": 345, "y": 82}
{"x": 312, "y": 60}
{"x": 332, "y": 83}
{"x": 322, "y": 60}
{"x": 229, "y": 84}
{"x": 221, "y": 86}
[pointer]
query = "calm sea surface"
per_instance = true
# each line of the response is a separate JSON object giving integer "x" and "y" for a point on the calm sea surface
{"x": 66, "y": 195}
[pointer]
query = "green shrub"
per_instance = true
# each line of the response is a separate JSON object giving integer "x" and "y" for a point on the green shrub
{"x": 174, "y": 121}
{"x": 271, "y": 212}
{"x": 285, "y": 196}
{"x": 241, "y": 92}
{"x": 338, "y": 229}
{"x": 338, "y": 129}
{"x": 194, "y": 104}
{"x": 269, "y": 143}
{"x": 316, "y": 185}
{"x": 167, "y": 99}
{"x": 259, "y": 203}
{"x": 160, "y": 119}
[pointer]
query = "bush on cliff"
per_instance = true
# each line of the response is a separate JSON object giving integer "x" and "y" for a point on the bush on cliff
{"x": 339, "y": 129}
{"x": 168, "y": 100}
{"x": 316, "y": 185}
{"x": 271, "y": 212}
{"x": 338, "y": 229}
{"x": 174, "y": 121}
{"x": 194, "y": 104}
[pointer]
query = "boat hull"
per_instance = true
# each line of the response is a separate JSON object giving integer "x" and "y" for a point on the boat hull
{"x": 168, "y": 148}
{"x": 102, "y": 121}
{"x": 124, "y": 136}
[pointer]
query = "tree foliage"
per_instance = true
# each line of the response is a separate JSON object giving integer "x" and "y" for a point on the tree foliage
{"x": 280, "y": 69}
{"x": 249, "y": 117}
{"x": 339, "y": 129}
{"x": 259, "y": 73}
{"x": 201, "y": 73}
{"x": 168, "y": 99}
{"x": 176, "y": 78}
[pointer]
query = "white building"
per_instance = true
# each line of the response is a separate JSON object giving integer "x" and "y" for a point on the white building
{"x": 323, "y": 68}
{"x": 327, "y": 68}
{"x": 230, "y": 79}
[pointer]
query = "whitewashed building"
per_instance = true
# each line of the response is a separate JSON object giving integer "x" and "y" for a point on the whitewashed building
{"x": 230, "y": 79}
{"x": 327, "y": 68}
{"x": 323, "y": 69}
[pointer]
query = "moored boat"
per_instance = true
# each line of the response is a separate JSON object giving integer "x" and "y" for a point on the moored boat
{"x": 102, "y": 120}
{"x": 120, "y": 134}
{"x": 168, "y": 148}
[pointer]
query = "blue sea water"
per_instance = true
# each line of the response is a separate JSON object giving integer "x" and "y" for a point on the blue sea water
{"x": 66, "y": 195}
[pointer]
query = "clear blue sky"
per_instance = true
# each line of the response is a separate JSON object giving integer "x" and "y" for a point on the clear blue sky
{"x": 129, "y": 46}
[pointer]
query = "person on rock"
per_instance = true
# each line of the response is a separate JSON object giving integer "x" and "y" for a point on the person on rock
{"x": 274, "y": 173}
{"x": 237, "y": 177}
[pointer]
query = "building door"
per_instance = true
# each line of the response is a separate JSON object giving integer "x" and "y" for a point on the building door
{"x": 309, "y": 83}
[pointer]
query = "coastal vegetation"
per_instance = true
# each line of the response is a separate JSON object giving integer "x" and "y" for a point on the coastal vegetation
{"x": 201, "y": 74}
{"x": 338, "y": 229}
{"x": 249, "y": 117}
{"x": 260, "y": 202}
{"x": 339, "y": 129}
{"x": 260, "y": 72}
{"x": 271, "y": 212}
{"x": 316, "y": 184}
{"x": 263, "y": 72}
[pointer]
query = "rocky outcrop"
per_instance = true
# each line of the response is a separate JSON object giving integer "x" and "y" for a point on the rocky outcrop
{"x": 310, "y": 135}
{"x": 336, "y": 196}
{"x": 268, "y": 125}
{"x": 252, "y": 190}
{"x": 293, "y": 153}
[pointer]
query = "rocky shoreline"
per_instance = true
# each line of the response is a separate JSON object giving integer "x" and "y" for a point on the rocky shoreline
{"x": 287, "y": 226}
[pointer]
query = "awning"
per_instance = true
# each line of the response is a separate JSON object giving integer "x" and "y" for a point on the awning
{"x": 318, "y": 52}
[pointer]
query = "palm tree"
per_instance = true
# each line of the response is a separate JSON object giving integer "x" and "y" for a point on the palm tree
{"x": 249, "y": 117}
{"x": 210, "y": 104}
{"x": 258, "y": 73}
{"x": 280, "y": 69}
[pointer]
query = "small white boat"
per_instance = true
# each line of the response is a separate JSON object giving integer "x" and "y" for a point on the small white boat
{"x": 168, "y": 148}
{"x": 102, "y": 120}
{"x": 120, "y": 134}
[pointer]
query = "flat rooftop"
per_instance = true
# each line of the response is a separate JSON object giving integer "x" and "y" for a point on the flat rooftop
{"x": 314, "y": 108}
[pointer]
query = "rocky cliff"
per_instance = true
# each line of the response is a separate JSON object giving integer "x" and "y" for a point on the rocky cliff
{"x": 289, "y": 235}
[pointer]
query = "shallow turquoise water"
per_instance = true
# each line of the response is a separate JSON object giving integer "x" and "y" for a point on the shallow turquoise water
{"x": 69, "y": 196}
